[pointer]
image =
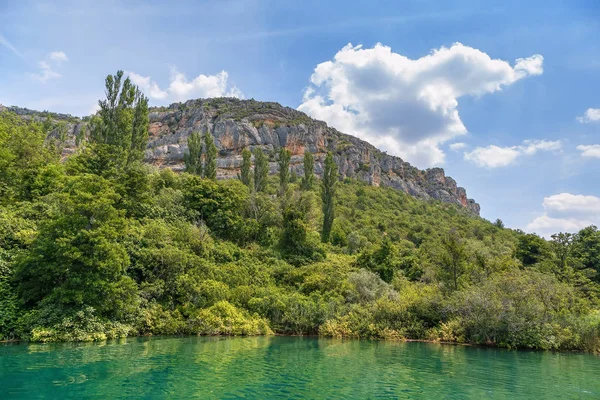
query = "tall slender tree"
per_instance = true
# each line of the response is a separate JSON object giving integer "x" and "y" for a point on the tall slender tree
{"x": 120, "y": 128}
{"x": 210, "y": 161}
{"x": 284, "y": 170}
{"x": 328, "y": 186}
{"x": 309, "y": 171}
{"x": 261, "y": 170}
{"x": 246, "y": 167}
{"x": 193, "y": 157}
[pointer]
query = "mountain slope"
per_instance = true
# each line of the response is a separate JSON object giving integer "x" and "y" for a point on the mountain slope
{"x": 236, "y": 124}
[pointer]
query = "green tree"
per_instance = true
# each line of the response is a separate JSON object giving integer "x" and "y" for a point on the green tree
{"x": 261, "y": 170}
{"x": 586, "y": 248}
{"x": 26, "y": 163}
{"x": 328, "y": 185}
{"x": 309, "y": 171}
{"x": 284, "y": 170}
{"x": 453, "y": 258}
{"x": 210, "y": 162}
{"x": 121, "y": 125}
{"x": 78, "y": 258}
{"x": 219, "y": 205}
{"x": 532, "y": 249}
{"x": 562, "y": 246}
{"x": 245, "y": 173}
{"x": 296, "y": 245}
{"x": 193, "y": 157}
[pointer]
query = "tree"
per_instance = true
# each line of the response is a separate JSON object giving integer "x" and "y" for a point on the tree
{"x": 284, "y": 170}
{"x": 453, "y": 260}
{"x": 245, "y": 173}
{"x": 261, "y": 170}
{"x": 384, "y": 260}
{"x": 296, "y": 245}
{"x": 586, "y": 248}
{"x": 532, "y": 249}
{"x": 78, "y": 259}
{"x": 562, "y": 246}
{"x": 193, "y": 157}
{"x": 328, "y": 185}
{"x": 210, "y": 162}
{"x": 499, "y": 224}
{"x": 309, "y": 171}
{"x": 121, "y": 124}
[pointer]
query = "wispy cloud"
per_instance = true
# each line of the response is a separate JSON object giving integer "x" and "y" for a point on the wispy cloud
{"x": 354, "y": 23}
{"x": 4, "y": 42}
{"x": 48, "y": 66}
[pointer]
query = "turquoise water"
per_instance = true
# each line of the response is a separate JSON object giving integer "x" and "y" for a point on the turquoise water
{"x": 290, "y": 367}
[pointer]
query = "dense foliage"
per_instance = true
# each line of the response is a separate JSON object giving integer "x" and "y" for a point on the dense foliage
{"x": 93, "y": 250}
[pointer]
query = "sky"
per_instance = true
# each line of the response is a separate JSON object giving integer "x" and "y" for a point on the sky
{"x": 504, "y": 95}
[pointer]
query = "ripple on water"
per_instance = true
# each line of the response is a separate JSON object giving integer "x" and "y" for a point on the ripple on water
{"x": 291, "y": 368}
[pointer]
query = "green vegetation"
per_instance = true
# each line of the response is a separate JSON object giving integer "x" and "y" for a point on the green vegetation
{"x": 210, "y": 165}
{"x": 309, "y": 171}
{"x": 261, "y": 170}
{"x": 245, "y": 170}
{"x": 193, "y": 157}
{"x": 284, "y": 170}
{"x": 102, "y": 246}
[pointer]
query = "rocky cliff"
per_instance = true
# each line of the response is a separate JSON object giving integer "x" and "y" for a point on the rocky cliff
{"x": 238, "y": 124}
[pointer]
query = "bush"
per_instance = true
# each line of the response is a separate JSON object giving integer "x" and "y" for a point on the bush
{"x": 224, "y": 318}
{"x": 81, "y": 326}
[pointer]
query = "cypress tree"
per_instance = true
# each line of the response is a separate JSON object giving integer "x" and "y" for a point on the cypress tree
{"x": 210, "y": 161}
{"x": 261, "y": 170}
{"x": 245, "y": 169}
{"x": 330, "y": 177}
{"x": 284, "y": 170}
{"x": 309, "y": 171}
{"x": 193, "y": 157}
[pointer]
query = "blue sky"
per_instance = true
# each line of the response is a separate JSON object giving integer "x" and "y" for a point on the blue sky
{"x": 512, "y": 112}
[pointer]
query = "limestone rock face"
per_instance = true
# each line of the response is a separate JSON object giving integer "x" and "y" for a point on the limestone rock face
{"x": 237, "y": 124}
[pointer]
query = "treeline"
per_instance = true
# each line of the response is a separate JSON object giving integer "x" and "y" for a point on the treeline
{"x": 103, "y": 246}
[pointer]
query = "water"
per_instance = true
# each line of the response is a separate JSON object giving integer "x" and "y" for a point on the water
{"x": 290, "y": 367}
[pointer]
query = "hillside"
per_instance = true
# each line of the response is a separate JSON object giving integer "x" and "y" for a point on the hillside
{"x": 237, "y": 124}
{"x": 100, "y": 245}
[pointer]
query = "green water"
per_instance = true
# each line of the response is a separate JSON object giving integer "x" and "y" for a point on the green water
{"x": 290, "y": 367}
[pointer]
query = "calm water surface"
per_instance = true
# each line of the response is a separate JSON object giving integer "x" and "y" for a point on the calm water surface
{"x": 290, "y": 367}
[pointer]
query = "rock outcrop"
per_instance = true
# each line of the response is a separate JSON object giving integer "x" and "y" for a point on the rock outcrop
{"x": 238, "y": 124}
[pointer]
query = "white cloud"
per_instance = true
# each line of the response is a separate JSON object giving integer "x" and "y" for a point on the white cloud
{"x": 494, "y": 156}
{"x": 58, "y": 56}
{"x": 180, "y": 89}
{"x": 48, "y": 66}
{"x": 457, "y": 146}
{"x": 406, "y": 107}
{"x": 592, "y": 150}
{"x": 590, "y": 115}
{"x": 566, "y": 212}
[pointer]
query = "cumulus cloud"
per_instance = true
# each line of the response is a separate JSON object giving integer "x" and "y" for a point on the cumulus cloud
{"x": 58, "y": 56}
{"x": 591, "y": 150}
{"x": 181, "y": 89}
{"x": 566, "y": 212}
{"x": 404, "y": 106}
{"x": 457, "y": 146}
{"x": 590, "y": 115}
{"x": 495, "y": 156}
{"x": 49, "y": 65}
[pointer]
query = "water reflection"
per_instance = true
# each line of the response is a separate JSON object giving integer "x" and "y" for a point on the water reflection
{"x": 289, "y": 367}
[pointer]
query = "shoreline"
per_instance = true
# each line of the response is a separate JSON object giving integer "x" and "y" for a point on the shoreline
{"x": 427, "y": 341}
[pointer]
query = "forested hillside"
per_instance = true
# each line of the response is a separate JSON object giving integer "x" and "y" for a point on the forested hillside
{"x": 101, "y": 246}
